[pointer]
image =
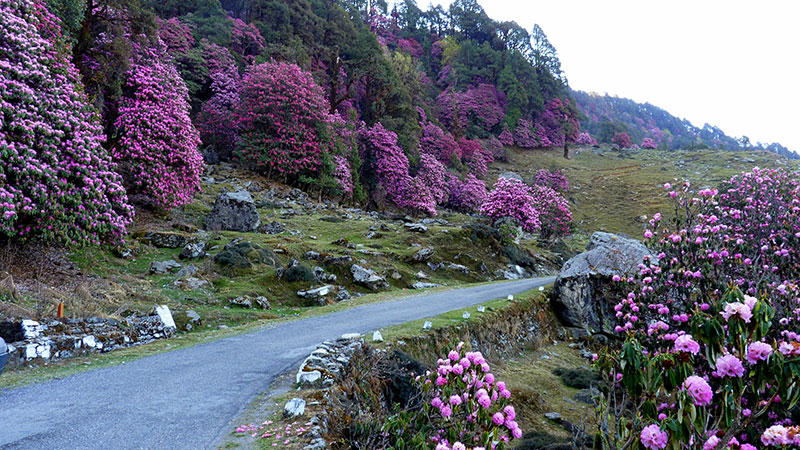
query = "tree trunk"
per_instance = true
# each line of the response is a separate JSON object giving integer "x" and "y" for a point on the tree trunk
{"x": 566, "y": 149}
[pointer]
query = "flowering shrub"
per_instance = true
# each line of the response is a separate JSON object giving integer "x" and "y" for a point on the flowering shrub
{"x": 465, "y": 408}
{"x": 176, "y": 35}
{"x": 648, "y": 143}
{"x": 475, "y": 156}
{"x": 505, "y": 137}
{"x": 385, "y": 163}
{"x": 156, "y": 142}
{"x": 481, "y": 107}
{"x": 342, "y": 175}
{"x": 557, "y": 124}
{"x": 711, "y": 352}
{"x": 622, "y": 140}
{"x": 57, "y": 182}
{"x": 215, "y": 123}
{"x": 246, "y": 40}
{"x": 437, "y": 142}
{"x": 554, "y": 180}
{"x": 494, "y": 147}
{"x": 523, "y": 136}
{"x": 467, "y": 195}
{"x": 418, "y": 198}
{"x": 512, "y": 198}
{"x": 554, "y": 215}
{"x": 434, "y": 175}
{"x": 585, "y": 139}
{"x": 282, "y": 119}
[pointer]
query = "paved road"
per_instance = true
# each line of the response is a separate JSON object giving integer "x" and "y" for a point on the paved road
{"x": 187, "y": 398}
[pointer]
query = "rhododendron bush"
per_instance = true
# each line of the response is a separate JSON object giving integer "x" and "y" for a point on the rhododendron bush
{"x": 467, "y": 195}
{"x": 553, "y": 179}
{"x": 537, "y": 208}
{"x": 283, "y": 120}
{"x": 465, "y": 407}
{"x": 711, "y": 357}
{"x": 215, "y": 123}
{"x": 156, "y": 142}
{"x": 57, "y": 182}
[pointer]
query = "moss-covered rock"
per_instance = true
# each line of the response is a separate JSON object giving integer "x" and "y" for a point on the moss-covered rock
{"x": 243, "y": 255}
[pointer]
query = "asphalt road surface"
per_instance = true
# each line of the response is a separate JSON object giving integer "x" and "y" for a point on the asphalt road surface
{"x": 187, "y": 398}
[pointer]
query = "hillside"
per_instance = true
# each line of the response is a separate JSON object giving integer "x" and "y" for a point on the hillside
{"x": 605, "y": 115}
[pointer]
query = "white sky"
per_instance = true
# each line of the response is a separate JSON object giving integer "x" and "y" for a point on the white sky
{"x": 734, "y": 64}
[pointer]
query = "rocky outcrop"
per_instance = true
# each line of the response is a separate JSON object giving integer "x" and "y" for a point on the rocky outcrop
{"x": 584, "y": 295}
{"x": 368, "y": 278}
{"x": 243, "y": 255}
{"x": 233, "y": 211}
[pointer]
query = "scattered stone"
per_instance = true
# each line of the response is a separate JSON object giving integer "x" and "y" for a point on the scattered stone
{"x": 308, "y": 378}
{"x": 312, "y": 255}
{"x": 515, "y": 272}
{"x": 376, "y": 337}
{"x": 233, "y": 211}
{"x": 368, "y": 278}
{"x": 422, "y": 275}
{"x": 193, "y": 250}
{"x": 458, "y": 267}
{"x": 187, "y": 271}
{"x": 553, "y": 416}
{"x": 423, "y": 254}
{"x": 481, "y": 308}
{"x": 588, "y": 396}
{"x": 294, "y": 408}
{"x": 163, "y": 313}
{"x": 395, "y": 275}
{"x": 317, "y": 293}
{"x": 435, "y": 267}
{"x": 262, "y": 302}
{"x": 424, "y": 285}
{"x": 427, "y": 325}
{"x": 165, "y": 239}
{"x": 271, "y": 228}
{"x": 343, "y": 294}
{"x": 189, "y": 283}
{"x": 416, "y": 227}
{"x": 164, "y": 267}
{"x": 583, "y": 292}
{"x": 193, "y": 318}
{"x": 466, "y": 315}
{"x": 510, "y": 297}
{"x": 243, "y": 301}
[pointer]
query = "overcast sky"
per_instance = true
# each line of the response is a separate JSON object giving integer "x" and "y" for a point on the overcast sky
{"x": 734, "y": 64}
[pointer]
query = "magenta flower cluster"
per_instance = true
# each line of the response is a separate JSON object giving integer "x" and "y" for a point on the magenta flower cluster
{"x": 467, "y": 405}
{"x": 57, "y": 182}
{"x": 216, "y": 120}
{"x": 711, "y": 320}
{"x": 553, "y": 179}
{"x": 648, "y": 143}
{"x": 537, "y": 208}
{"x": 156, "y": 143}
{"x": 283, "y": 120}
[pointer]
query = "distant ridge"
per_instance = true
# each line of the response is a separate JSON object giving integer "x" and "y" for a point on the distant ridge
{"x": 605, "y": 115}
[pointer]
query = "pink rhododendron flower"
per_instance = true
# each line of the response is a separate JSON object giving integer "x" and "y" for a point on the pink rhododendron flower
{"x": 699, "y": 389}
{"x": 685, "y": 343}
{"x": 758, "y": 351}
{"x": 653, "y": 438}
{"x": 729, "y": 366}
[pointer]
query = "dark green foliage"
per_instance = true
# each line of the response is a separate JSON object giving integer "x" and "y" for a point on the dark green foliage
{"x": 299, "y": 272}
{"x": 243, "y": 255}
{"x": 578, "y": 378}
{"x": 519, "y": 256}
{"x": 539, "y": 440}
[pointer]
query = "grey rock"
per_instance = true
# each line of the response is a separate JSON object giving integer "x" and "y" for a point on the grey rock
{"x": 416, "y": 227}
{"x": 312, "y": 255}
{"x": 376, "y": 337}
{"x": 553, "y": 416}
{"x": 243, "y": 301}
{"x": 423, "y": 285}
{"x": 582, "y": 294}
{"x": 164, "y": 239}
{"x": 271, "y": 228}
{"x": 422, "y": 275}
{"x": 343, "y": 294}
{"x": 262, "y": 302}
{"x": 423, "y": 254}
{"x": 187, "y": 271}
{"x": 163, "y": 267}
{"x": 316, "y": 293}
{"x": 193, "y": 316}
{"x": 233, "y": 211}
{"x": 189, "y": 283}
{"x": 588, "y": 396}
{"x": 294, "y": 408}
{"x": 193, "y": 250}
{"x": 427, "y": 325}
{"x": 309, "y": 378}
{"x": 458, "y": 267}
{"x": 368, "y": 278}
{"x": 511, "y": 176}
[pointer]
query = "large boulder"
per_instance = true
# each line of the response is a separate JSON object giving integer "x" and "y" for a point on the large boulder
{"x": 584, "y": 294}
{"x": 233, "y": 211}
{"x": 243, "y": 255}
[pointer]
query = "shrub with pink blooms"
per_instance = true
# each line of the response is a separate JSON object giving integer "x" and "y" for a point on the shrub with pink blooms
{"x": 553, "y": 179}
{"x": 555, "y": 218}
{"x": 505, "y": 137}
{"x": 465, "y": 195}
{"x": 216, "y": 121}
{"x": 523, "y": 135}
{"x": 156, "y": 142}
{"x": 434, "y": 175}
{"x": 511, "y": 198}
{"x": 465, "y": 407}
{"x": 648, "y": 143}
{"x": 585, "y": 139}
{"x": 622, "y": 140}
{"x": 439, "y": 143}
{"x": 57, "y": 182}
{"x": 475, "y": 156}
{"x": 283, "y": 120}
{"x": 711, "y": 351}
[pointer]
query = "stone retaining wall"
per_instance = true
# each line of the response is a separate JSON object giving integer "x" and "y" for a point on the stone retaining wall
{"x": 31, "y": 342}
